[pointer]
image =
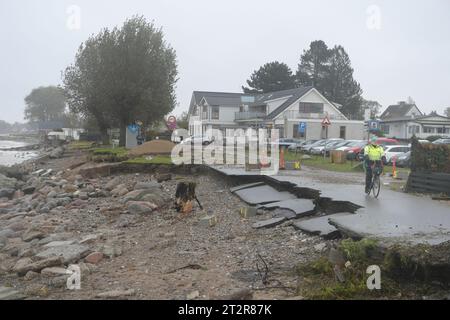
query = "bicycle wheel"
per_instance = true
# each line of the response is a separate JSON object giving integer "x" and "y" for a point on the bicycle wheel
{"x": 376, "y": 186}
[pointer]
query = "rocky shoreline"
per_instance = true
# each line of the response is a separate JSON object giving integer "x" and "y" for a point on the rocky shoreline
{"x": 127, "y": 239}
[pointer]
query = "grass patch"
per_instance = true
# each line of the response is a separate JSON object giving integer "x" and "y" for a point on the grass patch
{"x": 319, "y": 281}
{"x": 106, "y": 154}
{"x": 161, "y": 159}
{"x": 324, "y": 163}
{"x": 81, "y": 145}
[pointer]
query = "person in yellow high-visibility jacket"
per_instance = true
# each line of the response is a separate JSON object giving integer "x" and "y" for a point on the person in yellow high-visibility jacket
{"x": 373, "y": 154}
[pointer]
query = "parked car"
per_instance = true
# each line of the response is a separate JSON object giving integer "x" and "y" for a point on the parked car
{"x": 298, "y": 146}
{"x": 394, "y": 151}
{"x": 354, "y": 152}
{"x": 404, "y": 160}
{"x": 386, "y": 142}
{"x": 442, "y": 141}
{"x": 287, "y": 143}
{"x": 307, "y": 147}
{"x": 326, "y": 147}
{"x": 198, "y": 140}
{"x": 320, "y": 145}
{"x": 337, "y": 145}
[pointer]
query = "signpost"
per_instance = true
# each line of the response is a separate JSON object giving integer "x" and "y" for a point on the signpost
{"x": 325, "y": 124}
{"x": 172, "y": 123}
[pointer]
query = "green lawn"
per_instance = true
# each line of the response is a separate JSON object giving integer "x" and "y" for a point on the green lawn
{"x": 325, "y": 163}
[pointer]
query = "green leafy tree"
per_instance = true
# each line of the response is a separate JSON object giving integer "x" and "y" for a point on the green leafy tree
{"x": 373, "y": 106}
{"x": 447, "y": 112}
{"x": 45, "y": 104}
{"x": 273, "y": 76}
{"x": 123, "y": 75}
{"x": 313, "y": 67}
{"x": 183, "y": 121}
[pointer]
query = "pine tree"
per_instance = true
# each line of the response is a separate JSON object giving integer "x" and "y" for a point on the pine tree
{"x": 314, "y": 64}
{"x": 273, "y": 76}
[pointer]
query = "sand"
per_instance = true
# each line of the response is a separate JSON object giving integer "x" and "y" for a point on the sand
{"x": 153, "y": 147}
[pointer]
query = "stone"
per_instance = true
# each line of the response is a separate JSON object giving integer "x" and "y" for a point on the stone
{"x": 163, "y": 177}
{"x": 120, "y": 190}
{"x": 7, "y": 183}
{"x": 58, "y": 243}
{"x": 135, "y": 195}
{"x": 320, "y": 247}
{"x": 54, "y": 271}
{"x": 112, "y": 184}
{"x": 31, "y": 275}
{"x": 193, "y": 295}
{"x": 94, "y": 258}
{"x": 37, "y": 290}
{"x": 116, "y": 294}
{"x": 70, "y": 188}
{"x": 83, "y": 196}
{"x": 56, "y": 153}
{"x": 112, "y": 251}
{"x": 269, "y": 223}
{"x": 7, "y": 193}
{"x": 147, "y": 185}
{"x": 26, "y": 264}
{"x": 7, "y": 293}
{"x": 69, "y": 253}
{"x": 31, "y": 234}
{"x": 141, "y": 207}
{"x": 208, "y": 221}
{"x": 7, "y": 233}
{"x": 88, "y": 239}
{"x": 29, "y": 189}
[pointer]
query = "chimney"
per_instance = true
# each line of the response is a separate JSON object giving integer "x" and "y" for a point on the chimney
{"x": 401, "y": 103}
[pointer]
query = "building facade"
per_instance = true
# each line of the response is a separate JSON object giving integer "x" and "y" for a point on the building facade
{"x": 402, "y": 121}
{"x": 297, "y": 113}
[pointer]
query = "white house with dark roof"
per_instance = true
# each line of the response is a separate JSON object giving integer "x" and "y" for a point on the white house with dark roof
{"x": 404, "y": 120}
{"x": 286, "y": 110}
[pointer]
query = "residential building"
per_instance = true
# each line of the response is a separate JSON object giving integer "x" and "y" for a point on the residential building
{"x": 404, "y": 120}
{"x": 297, "y": 113}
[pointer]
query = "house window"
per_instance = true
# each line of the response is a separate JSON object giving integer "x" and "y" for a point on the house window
{"x": 342, "y": 132}
{"x": 215, "y": 113}
{"x": 428, "y": 130}
{"x": 413, "y": 129}
{"x": 297, "y": 134}
{"x": 310, "y": 107}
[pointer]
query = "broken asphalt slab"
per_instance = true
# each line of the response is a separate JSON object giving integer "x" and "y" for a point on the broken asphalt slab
{"x": 319, "y": 226}
{"x": 269, "y": 223}
{"x": 263, "y": 194}
{"x": 300, "y": 207}
{"x": 393, "y": 218}
{"x": 246, "y": 186}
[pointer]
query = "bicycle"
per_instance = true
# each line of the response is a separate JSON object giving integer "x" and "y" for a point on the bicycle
{"x": 375, "y": 185}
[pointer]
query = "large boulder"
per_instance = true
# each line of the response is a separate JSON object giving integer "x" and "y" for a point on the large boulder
{"x": 141, "y": 207}
{"x": 56, "y": 153}
{"x": 7, "y": 183}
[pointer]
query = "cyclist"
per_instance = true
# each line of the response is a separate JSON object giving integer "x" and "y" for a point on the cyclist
{"x": 373, "y": 154}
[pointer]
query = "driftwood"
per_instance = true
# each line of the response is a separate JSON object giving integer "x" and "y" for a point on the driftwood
{"x": 184, "y": 196}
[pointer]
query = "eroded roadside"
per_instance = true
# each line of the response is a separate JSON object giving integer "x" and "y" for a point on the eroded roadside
{"x": 126, "y": 250}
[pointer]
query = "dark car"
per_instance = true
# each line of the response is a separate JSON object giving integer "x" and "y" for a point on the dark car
{"x": 404, "y": 160}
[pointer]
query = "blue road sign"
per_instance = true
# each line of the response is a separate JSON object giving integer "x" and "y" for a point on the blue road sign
{"x": 302, "y": 127}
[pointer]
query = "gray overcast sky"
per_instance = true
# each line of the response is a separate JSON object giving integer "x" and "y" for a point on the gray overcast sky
{"x": 220, "y": 43}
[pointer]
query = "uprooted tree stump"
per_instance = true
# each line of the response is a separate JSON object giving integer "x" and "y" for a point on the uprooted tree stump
{"x": 184, "y": 197}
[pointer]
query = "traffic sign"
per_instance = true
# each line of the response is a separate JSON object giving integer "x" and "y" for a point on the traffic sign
{"x": 172, "y": 123}
{"x": 302, "y": 127}
{"x": 326, "y": 122}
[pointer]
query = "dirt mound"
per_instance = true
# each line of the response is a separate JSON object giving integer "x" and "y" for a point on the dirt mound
{"x": 153, "y": 147}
